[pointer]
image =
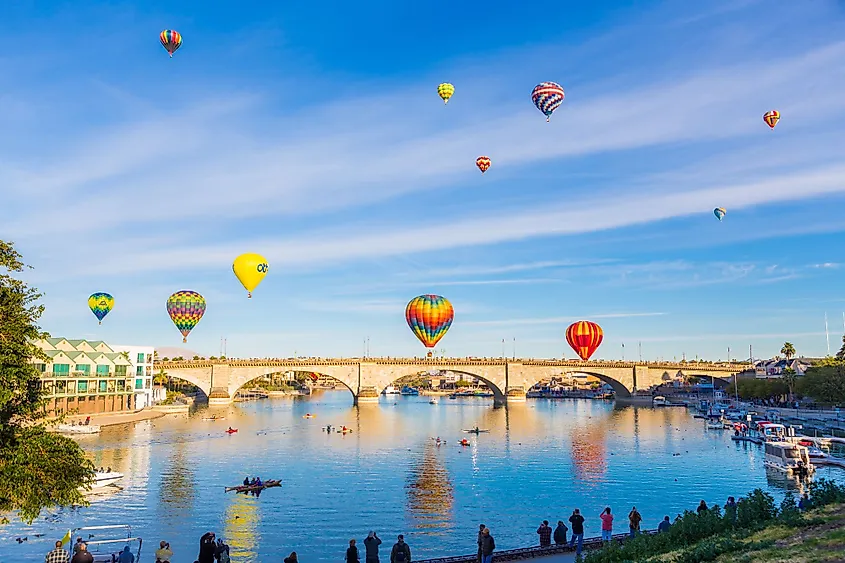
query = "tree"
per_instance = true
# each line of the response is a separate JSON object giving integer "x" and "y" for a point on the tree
{"x": 38, "y": 469}
{"x": 825, "y": 381}
{"x": 789, "y": 377}
{"x": 788, "y": 350}
{"x": 840, "y": 355}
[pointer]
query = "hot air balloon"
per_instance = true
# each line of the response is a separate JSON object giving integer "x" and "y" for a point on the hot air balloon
{"x": 445, "y": 91}
{"x": 584, "y": 337}
{"x": 185, "y": 308}
{"x": 250, "y": 269}
{"x": 170, "y": 40}
{"x": 483, "y": 163}
{"x": 100, "y": 304}
{"x": 547, "y": 96}
{"x": 429, "y": 317}
{"x": 719, "y": 212}
{"x": 771, "y": 118}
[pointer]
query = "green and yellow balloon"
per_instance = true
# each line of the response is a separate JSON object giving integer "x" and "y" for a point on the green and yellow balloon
{"x": 100, "y": 304}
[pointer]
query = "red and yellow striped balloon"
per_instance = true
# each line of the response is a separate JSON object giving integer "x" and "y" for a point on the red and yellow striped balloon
{"x": 429, "y": 317}
{"x": 483, "y": 163}
{"x": 585, "y": 337}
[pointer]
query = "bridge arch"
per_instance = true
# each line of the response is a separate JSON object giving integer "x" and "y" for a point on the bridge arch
{"x": 241, "y": 385}
{"x": 498, "y": 394}
{"x": 195, "y": 376}
{"x": 618, "y": 387}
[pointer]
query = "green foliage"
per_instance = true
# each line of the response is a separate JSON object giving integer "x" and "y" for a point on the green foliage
{"x": 37, "y": 469}
{"x": 824, "y": 382}
{"x": 761, "y": 388}
{"x": 789, "y": 513}
{"x": 755, "y": 508}
{"x": 788, "y": 350}
{"x": 824, "y": 492}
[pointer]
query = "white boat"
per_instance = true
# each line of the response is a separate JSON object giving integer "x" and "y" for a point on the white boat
{"x": 78, "y": 429}
{"x": 715, "y": 425}
{"x": 108, "y": 549}
{"x": 432, "y": 401}
{"x": 816, "y": 454}
{"x": 792, "y": 459}
{"x": 391, "y": 390}
{"x": 658, "y": 401}
{"x": 105, "y": 479}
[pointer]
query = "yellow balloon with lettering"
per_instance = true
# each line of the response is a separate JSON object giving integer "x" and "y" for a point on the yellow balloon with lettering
{"x": 250, "y": 269}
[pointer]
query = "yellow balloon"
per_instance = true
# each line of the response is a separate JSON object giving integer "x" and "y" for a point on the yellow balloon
{"x": 250, "y": 269}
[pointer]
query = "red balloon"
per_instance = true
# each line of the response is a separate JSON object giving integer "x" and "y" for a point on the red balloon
{"x": 585, "y": 337}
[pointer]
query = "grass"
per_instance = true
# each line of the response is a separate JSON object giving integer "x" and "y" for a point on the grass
{"x": 818, "y": 538}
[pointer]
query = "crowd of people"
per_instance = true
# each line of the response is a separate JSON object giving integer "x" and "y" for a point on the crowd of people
{"x": 214, "y": 550}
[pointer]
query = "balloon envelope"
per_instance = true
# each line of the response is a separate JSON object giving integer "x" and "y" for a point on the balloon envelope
{"x": 185, "y": 308}
{"x": 100, "y": 304}
{"x": 445, "y": 91}
{"x": 719, "y": 212}
{"x": 771, "y": 118}
{"x": 483, "y": 163}
{"x": 170, "y": 40}
{"x": 585, "y": 338}
{"x": 429, "y": 317}
{"x": 547, "y": 96}
{"x": 250, "y": 269}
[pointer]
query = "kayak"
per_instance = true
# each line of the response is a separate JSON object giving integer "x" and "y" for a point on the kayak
{"x": 231, "y": 431}
{"x": 251, "y": 488}
{"x": 215, "y": 418}
{"x": 476, "y": 431}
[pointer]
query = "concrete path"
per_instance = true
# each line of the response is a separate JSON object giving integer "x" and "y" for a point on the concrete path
{"x": 112, "y": 419}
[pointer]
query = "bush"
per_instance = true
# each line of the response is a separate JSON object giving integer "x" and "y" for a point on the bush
{"x": 824, "y": 492}
{"x": 755, "y": 508}
{"x": 789, "y": 513}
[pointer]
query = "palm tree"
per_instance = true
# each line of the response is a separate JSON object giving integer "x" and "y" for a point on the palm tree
{"x": 789, "y": 377}
{"x": 788, "y": 350}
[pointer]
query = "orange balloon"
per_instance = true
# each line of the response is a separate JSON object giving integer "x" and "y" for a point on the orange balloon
{"x": 483, "y": 163}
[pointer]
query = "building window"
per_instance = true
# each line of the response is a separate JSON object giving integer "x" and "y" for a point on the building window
{"x": 103, "y": 370}
{"x": 147, "y": 385}
{"x": 102, "y": 386}
{"x": 121, "y": 385}
{"x": 61, "y": 369}
{"x": 111, "y": 386}
{"x": 82, "y": 386}
{"x": 41, "y": 367}
{"x": 84, "y": 368}
{"x": 140, "y": 358}
{"x": 139, "y": 384}
{"x": 120, "y": 371}
{"x": 139, "y": 370}
{"x": 71, "y": 387}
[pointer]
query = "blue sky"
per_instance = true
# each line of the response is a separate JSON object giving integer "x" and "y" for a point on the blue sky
{"x": 313, "y": 134}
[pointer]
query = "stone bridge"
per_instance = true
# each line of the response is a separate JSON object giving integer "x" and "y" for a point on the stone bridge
{"x": 367, "y": 378}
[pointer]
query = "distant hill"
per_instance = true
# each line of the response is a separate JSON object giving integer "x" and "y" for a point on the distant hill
{"x": 173, "y": 352}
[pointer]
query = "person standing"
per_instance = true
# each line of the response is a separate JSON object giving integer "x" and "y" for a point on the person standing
{"x": 126, "y": 556}
{"x": 545, "y": 533}
{"x": 665, "y": 525}
{"x": 577, "y": 522}
{"x": 83, "y": 555}
{"x": 401, "y": 552}
{"x": 730, "y": 510}
{"x": 163, "y": 553}
{"x": 208, "y": 549}
{"x": 702, "y": 508}
{"x": 606, "y": 525}
{"x": 371, "y": 546}
{"x": 352, "y": 553}
{"x": 480, "y": 537}
{"x": 58, "y": 555}
{"x": 560, "y": 533}
{"x": 487, "y": 546}
{"x": 634, "y": 519}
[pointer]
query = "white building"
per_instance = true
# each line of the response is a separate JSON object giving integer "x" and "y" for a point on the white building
{"x": 141, "y": 359}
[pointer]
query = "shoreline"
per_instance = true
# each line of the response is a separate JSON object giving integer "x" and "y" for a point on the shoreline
{"x": 114, "y": 419}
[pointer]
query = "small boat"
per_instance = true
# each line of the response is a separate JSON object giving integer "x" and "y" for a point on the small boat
{"x": 453, "y": 396}
{"x": 408, "y": 391}
{"x": 252, "y": 488}
{"x": 214, "y": 418}
{"x": 104, "y": 479}
{"x": 107, "y": 550}
{"x": 658, "y": 401}
{"x": 309, "y": 415}
{"x": 476, "y": 431}
{"x": 78, "y": 429}
{"x": 432, "y": 401}
{"x": 390, "y": 390}
{"x": 715, "y": 425}
{"x": 231, "y": 430}
{"x": 464, "y": 442}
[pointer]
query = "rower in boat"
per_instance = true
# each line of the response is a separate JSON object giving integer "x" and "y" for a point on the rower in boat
{"x": 246, "y": 481}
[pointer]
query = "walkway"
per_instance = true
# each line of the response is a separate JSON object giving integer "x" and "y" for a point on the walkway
{"x": 112, "y": 419}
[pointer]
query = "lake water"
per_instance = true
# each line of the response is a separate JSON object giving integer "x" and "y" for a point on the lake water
{"x": 540, "y": 460}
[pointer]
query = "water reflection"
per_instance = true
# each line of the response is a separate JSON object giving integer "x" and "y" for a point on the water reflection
{"x": 240, "y": 529}
{"x": 429, "y": 490}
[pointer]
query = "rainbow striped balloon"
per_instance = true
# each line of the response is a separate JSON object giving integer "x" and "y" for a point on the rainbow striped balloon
{"x": 170, "y": 40}
{"x": 429, "y": 317}
{"x": 547, "y": 96}
{"x": 585, "y": 337}
{"x": 185, "y": 308}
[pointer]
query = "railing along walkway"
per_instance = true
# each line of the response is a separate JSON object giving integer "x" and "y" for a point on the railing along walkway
{"x": 530, "y": 552}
